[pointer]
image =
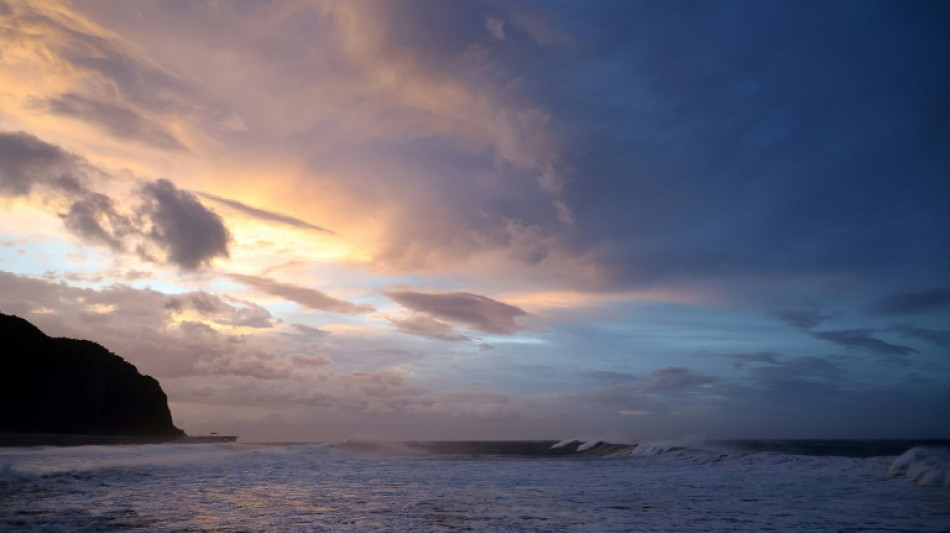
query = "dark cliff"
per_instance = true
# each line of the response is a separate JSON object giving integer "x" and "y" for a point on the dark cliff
{"x": 69, "y": 386}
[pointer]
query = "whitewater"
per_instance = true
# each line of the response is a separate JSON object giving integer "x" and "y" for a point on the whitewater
{"x": 529, "y": 487}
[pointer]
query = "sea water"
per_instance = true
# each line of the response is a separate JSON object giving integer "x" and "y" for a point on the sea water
{"x": 364, "y": 486}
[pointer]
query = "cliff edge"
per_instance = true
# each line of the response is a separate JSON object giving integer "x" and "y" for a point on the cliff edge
{"x": 74, "y": 387}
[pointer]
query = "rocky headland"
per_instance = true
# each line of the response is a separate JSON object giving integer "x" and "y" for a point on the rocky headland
{"x": 68, "y": 387}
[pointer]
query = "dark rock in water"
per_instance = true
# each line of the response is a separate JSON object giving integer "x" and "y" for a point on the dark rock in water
{"x": 68, "y": 386}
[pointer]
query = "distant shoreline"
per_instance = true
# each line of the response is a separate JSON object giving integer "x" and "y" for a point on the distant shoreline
{"x": 513, "y": 448}
{"x": 41, "y": 439}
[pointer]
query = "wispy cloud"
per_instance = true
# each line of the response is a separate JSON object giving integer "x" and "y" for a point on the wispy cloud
{"x": 938, "y": 337}
{"x": 863, "y": 339}
{"x": 909, "y": 303}
{"x": 742, "y": 359}
{"x": 472, "y": 310}
{"x": 802, "y": 319}
{"x": 116, "y": 120}
{"x": 426, "y": 326}
{"x": 304, "y": 296}
{"x": 264, "y": 214}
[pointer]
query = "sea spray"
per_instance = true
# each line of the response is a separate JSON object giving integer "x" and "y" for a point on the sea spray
{"x": 926, "y": 466}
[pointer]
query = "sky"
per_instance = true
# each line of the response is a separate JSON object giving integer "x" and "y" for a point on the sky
{"x": 417, "y": 219}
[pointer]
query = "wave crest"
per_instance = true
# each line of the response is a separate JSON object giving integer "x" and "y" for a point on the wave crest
{"x": 927, "y": 467}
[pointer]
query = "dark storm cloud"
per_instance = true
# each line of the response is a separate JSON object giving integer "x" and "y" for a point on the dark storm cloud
{"x": 909, "y": 303}
{"x": 472, "y": 310}
{"x": 304, "y": 296}
{"x": 863, "y": 339}
{"x": 118, "y": 121}
{"x": 191, "y": 234}
{"x": 732, "y": 139}
{"x": 426, "y": 326}
{"x": 263, "y": 214}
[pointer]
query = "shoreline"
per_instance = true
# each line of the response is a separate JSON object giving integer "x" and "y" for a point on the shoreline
{"x": 17, "y": 440}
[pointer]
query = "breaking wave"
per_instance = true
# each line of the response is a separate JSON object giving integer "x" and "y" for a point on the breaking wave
{"x": 928, "y": 467}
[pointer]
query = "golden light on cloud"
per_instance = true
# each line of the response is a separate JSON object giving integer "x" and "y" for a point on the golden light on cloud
{"x": 101, "y": 309}
{"x": 539, "y": 302}
{"x": 352, "y": 329}
{"x": 489, "y": 192}
{"x": 179, "y": 318}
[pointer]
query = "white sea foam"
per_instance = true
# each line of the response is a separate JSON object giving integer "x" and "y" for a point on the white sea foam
{"x": 589, "y": 445}
{"x": 563, "y": 443}
{"x": 678, "y": 445}
{"x": 928, "y": 467}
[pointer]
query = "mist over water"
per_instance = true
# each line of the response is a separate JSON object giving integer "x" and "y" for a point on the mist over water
{"x": 495, "y": 486}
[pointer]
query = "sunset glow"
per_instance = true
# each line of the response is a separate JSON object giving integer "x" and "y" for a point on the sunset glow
{"x": 318, "y": 220}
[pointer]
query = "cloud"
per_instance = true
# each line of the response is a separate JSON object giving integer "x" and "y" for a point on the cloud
{"x": 310, "y": 359}
{"x": 264, "y": 214}
{"x": 496, "y": 28}
{"x": 191, "y": 234}
{"x": 741, "y": 359}
{"x": 178, "y": 335}
{"x": 382, "y": 391}
{"x": 426, "y": 326}
{"x": 937, "y": 337}
{"x": 475, "y": 311}
{"x": 652, "y": 182}
{"x": 908, "y": 303}
{"x": 683, "y": 157}
{"x": 304, "y": 296}
{"x": 95, "y": 218}
{"x": 118, "y": 121}
{"x": 28, "y": 164}
{"x": 206, "y": 367}
{"x": 797, "y": 373}
{"x": 803, "y": 320}
{"x": 26, "y": 161}
{"x": 863, "y": 339}
{"x": 664, "y": 392}
{"x": 373, "y": 37}
{"x": 674, "y": 379}
{"x": 162, "y": 216}
{"x": 93, "y": 74}
{"x": 538, "y": 24}
{"x": 308, "y": 332}
{"x": 223, "y": 310}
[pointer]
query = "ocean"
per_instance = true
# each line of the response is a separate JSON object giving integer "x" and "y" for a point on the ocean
{"x": 812, "y": 486}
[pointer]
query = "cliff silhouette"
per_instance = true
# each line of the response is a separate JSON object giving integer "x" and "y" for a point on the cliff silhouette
{"x": 74, "y": 387}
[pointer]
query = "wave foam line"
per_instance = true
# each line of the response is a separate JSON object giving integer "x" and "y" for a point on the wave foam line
{"x": 927, "y": 467}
